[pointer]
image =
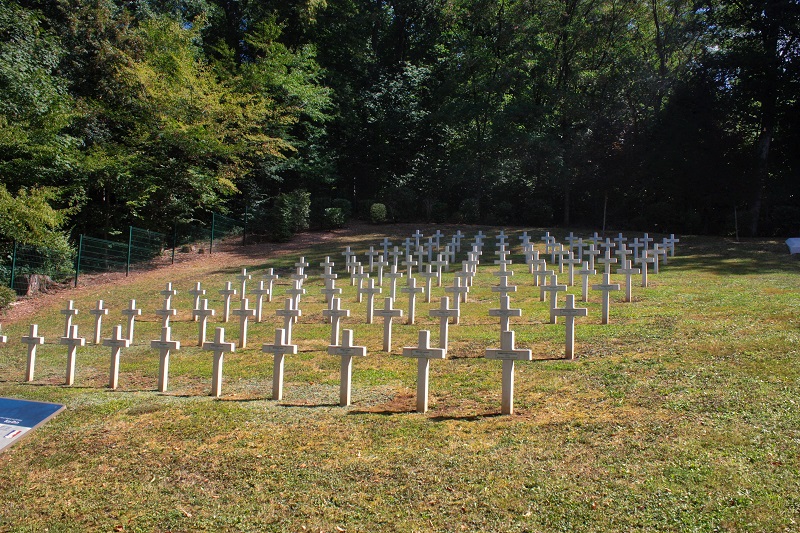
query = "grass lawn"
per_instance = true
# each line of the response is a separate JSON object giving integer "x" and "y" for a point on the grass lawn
{"x": 680, "y": 415}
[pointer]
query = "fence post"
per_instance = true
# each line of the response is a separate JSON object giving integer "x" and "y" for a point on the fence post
{"x": 244, "y": 233}
{"x": 13, "y": 264}
{"x": 130, "y": 243}
{"x": 78, "y": 259}
{"x": 213, "y": 222}
{"x": 174, "y": 240}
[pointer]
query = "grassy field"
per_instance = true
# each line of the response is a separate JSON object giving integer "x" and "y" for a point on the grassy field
{"x": 680, "y": 415}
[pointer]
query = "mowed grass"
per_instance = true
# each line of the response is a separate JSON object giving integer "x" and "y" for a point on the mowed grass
{"x": 680, "y": 415}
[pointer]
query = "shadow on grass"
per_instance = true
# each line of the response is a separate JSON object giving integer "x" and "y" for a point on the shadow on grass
{"x": 466, "y": 418}
{"x": 307, "y": 405}
{"x": 727, "y": 257}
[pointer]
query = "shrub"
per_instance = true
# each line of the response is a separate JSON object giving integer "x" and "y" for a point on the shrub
{"x": 7, "y": 296}
{"x": 333, "y": 217}
{"x": 345, "y": 205}
{"x": 377, "y": 213}
{"x": 470, "y": 210}
{"x": 291, "y": 213}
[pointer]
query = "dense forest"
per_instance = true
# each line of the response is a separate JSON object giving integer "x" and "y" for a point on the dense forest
{"x": 651, "y": 114}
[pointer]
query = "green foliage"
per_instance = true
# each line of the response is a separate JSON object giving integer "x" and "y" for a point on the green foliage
{"x": 333, "y": 217}
{"x": 377, "y": 213}
{"x": 7, "y": 296}
{"x": 29, "y": 218}
{"x": 345, "y": 206}
{"x": 289, "y": 214}
{"x": 470, "y": 210}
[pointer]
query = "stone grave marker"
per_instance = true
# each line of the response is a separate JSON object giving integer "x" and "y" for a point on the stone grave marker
{"x": 429, "y": 276}
{"x": 505, "y": 313}
{"x": 407, "y": 244}
{"x": 646, "y": 239}
{"x": 620, "y": 239}
{"x": 386, "y": 243}
{"x": 98, "y": 312}
{"x": 509, "y": 355}
{"x": 3, "y": 338}
{"x": 270, "y": 278}
{"x": 553, "y": 288}
{"x": 584, "y": 273}
{"x": 168, "y": 293}
{"x": 371, "y": 255}
{"x": 335, "y": 315}
{"x": 466, "y": 281}
{"x": 290, "y": 315}
{"x": 423, "y": 353}
{"x": 606, "y": 288}
{"x": 166, "y": 313}
{"x": 165, "y": 345}
{"x": 245, "y": 314}
{"x": 457, "y": 236}
{"x": 412, "y": 290}
{"x": 202, "y": 313}
{"x": 370, "y": 290}
{"x": 444, "y": 313}
{"x": 196, "y": 293}
{"x": 68, "y": 313}
{"x": 671, "y": 241}
{"x": 259, "y": 292}
{"x": 438, "y": 236}
{"x": 409, "y": 263}
{"x": 643, "y": 262}
{"x": 457, "y": 291}
{"x": 503, "y": 287}
{"x": 279, "y": 349}
{"x": 218, "y": 347}
{"x": 381, "y": 263}
{"x": 346, "y": 351}
{"x": 117, "y": 342}
{"x": 570, "y": 312}
{"x": 388, "y": 313}
{"x": 592, "y": 252}
{"x": 348, "y": 257}
{"x": 32, "y": 340}
{"x": 622, "y": 253}
{"x": 429, "y": 249}
{"x": 395, "y": 254}
{"x": 393, "y": 276}
{"x": 295, "y": 292}
{"x": 628, "y": 271}
{"x": 417, "y": 235}
{"x": 360, "y": 276}
{"x": 636, "y": 246}
{"x": 607, "y": 261}
{"x": 131, "y": 312}
{"x": 72, "y": 341}
{"x": 226, "y": 293}
{"x": 420, "y": 255}
{"x": 331, "y": 291}
{"x": 243, "y": 278}
{"x": 571, "y": 261}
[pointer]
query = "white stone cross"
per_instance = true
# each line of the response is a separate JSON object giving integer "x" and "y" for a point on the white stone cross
{"x": 671, "y": 243}
{"x": 423, "y": 353}
{"x": 660, "y": 250}
{"x": 388, "y": 313}
{"x": 525, "y": 239}
{"x": 386, "y": 243}
{"x": 505, "y": 312}
{"x": 32, "y": 339}
{"x": 351, "y": 266}
{"x": 219, "y": 347}
{"x": 438, "y": 235}
{"x": 538, "y": 265}
{"x": 412, "y": 290}
{"x": 202, "y": 313}
{"x": 270, "y": 278}
{"x": 346, "y": 351}
{"x": 259, "y": 292}
{"x": 370, "y": 290}
{"x": 643, "y": 260}
{"x": 166, "y": 313}
{"x": 226, "y": 293}
{"x": 3, "y": 338}
{"x": 335, "y": 315}
{"x": 395, "y": 254}
{"x": 279, "y": 349}
{"x": 72, "y": 341}
{"x": 622, "y": 253}
{"x": 331, "y": 290}
{"x": 168, "y": 293}
{"x": 360, "y": 275}
{"x": 553, "y": 288}
{"x": 457, "y": 236}
{"x": 509, "y": 355}
{"x": 439, "y": 264}
{"x": 371, "y": 255}
{"x": 571, "y": 261}
{"x": 635, "y": 246}
{"x": 429, "y": 248}
{"x": 450, "y": 255}
{"x": 466, "y": 281}
{"x": 348, "y": 255}
{"x": 570, "y": 312}
{"x": 584, "y": 273}
{"x": 570, "y": 239}
{"x": 606, "y": 287}
{"x": 299, "y": 275}
{"x": 381, "y": 263}
{"x": 409, "y": 263}
{"x": 99, "y": 312}
{"x": 444, "y": 313}
{"x": 417, "y": 235}
{"x": 457, "y": 290}
{"x": 301, "y": 265}
{"x": 68, "y": 313}
{"x": 655, "y": 253}
{"x": 117, "y": 342}
{"x": 607, "y": 245}
{"x": 429, "y": 276}
{"x": 131, "y": 312}
{"x": 563, "y": 253}
{"x": 295, "y": 292}
{"x": 629, "y": 271}
{"x": 501, "y": 239}
{"x": 607, "y": 261}
{"x": 245, "y": 314}
{"x": 197, "y": 292}
{"x": 592, "y": 252}
{"x": 420, "y": 255}
{"x": 289, "y": 314}
{"x": 646, "y": 239}
{"x": 503, "y": 287}
{"x": 393, "y": 276}
{"x": 164, "y": 345}
{"x": 620, "y": 239}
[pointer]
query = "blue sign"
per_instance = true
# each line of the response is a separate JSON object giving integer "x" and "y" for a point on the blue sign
{"x": 18, "y": 417}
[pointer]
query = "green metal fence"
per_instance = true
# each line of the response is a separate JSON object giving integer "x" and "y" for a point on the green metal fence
{"x": 100, "y": 255}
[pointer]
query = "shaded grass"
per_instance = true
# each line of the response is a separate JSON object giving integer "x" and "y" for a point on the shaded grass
{"x": 681, "y": 415}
